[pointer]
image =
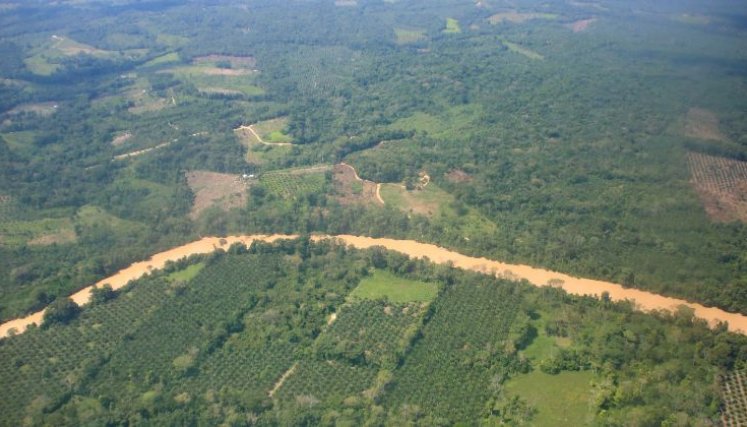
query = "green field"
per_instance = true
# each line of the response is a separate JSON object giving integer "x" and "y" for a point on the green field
{"x": 385, "y": 285}
{"x": 186, "y": 274}
{"x": 513, "y": 47}
{"x": 406, "y": 36}
{"x": 562, "y": 399}
{"x": 452, "y": 26}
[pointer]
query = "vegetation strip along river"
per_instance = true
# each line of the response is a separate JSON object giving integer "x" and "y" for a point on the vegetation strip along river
{"x": 643, "y": 300}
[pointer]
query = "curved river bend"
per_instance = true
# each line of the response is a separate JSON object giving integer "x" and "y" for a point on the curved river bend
{"x": 645, "y": 301}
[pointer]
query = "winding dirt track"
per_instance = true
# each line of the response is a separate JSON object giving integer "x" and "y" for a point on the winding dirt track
{"x": 645, "y": 301}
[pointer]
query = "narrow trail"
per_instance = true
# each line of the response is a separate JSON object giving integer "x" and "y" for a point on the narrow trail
{"x": 250, "y": 128}
{"x": 359, "y": 179}
{"x": 282, "y": 379}
{"x": 140, "y": 152}
{"x": 645, "y": 301}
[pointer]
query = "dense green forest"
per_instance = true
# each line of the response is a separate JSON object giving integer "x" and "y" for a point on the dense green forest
{"x": 247, "y": 337}
{"x": 571, "y": 134}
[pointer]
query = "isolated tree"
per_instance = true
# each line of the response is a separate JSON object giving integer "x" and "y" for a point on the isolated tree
{"x": 62, "y": 310}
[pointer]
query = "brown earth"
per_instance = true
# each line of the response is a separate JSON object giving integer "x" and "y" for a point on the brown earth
{"x": 121, "y": 139}
{"x": 643, "y": 300}
{"x": 580, "y": 25}
{"x": 216, "y": 189}
{"x": 721, "y": 184}
{"x": 458, "y": 176}
{"x": 346, "y": 181}
{"x": 703, "y": 124}
{"x": 236, "y": 61}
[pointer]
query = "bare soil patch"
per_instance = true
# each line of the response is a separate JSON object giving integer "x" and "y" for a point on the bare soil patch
{"x": 121, "y": 139}
{"x": 721, "y": 184}
{"x": 43, "y": 109}
{"x": 581, "y": 25}
{"x": 351, "y": 189}
{"x": 235, "y": 61}
{"x": 458, "y": 176}
{"x": 61, "y": 237}
{"x": 216, "y": 189}
{"x": 703, "y": 124}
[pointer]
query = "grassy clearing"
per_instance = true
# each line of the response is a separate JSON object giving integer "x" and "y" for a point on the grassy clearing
{"x": 385, "y": 285}
{"x": 451, "y": 123}
{"x": 273, "y": 130}
{"x": 405, "y": 36}
{"x": 171, "y": 40}
{"x": 562, "y": 399}
{"x": 163, "y": 59}
{"x": 210, "y": 79}
{"x": 187, "y": 274}
{"x": 513, "y": 47}
{"x": 452, "y": 26}
{"x": 436, "y": 203}
{"x": 39, "y": 232}
{"x": 19, "y": 141}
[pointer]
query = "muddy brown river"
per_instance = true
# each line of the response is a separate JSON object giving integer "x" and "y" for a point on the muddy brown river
{"x": 643, "y": 300}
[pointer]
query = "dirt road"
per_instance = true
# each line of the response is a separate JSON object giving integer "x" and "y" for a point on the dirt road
{"x": 645, "y": 301}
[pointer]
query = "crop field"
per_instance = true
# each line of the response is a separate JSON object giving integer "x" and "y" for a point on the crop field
{"x": 290, "y": 183}
{"x": 721, "y": 184}
{"x": 387, "y": 286}
{"x": 329, "y": 381}
{"x": 734, "y": 393}
{"x": 370, "y": 332}
{"x": 450, "y": 370}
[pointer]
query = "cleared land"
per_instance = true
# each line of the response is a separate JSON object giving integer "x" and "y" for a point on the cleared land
{"x": 40, "y": 232}
{"x": 452, "y": 26}
{"x": 385, "y": 285}
{"x": 225, "y": 191}
{"x": 721, "y": 184}
{"x": 581, "y": 25}
{"x": 517, "y": 17}
{"x": 645, "y": 301}
{"x": 265, "y": 141}
{"x": 703, "y": 124}
{"x": 349, "y": 188}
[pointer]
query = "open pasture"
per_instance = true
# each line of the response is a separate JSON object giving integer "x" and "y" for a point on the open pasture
{"x": 385, "y": 285}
